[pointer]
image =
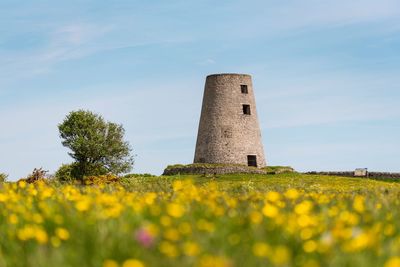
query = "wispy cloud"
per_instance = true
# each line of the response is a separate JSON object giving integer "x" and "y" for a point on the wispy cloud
{"x": 68, "y": 42}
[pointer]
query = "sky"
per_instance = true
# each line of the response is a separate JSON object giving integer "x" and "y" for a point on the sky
{"x": 325, "y": 74}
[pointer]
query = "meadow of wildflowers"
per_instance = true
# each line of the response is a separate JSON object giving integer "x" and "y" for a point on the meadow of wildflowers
{"x": 233, "y": 220}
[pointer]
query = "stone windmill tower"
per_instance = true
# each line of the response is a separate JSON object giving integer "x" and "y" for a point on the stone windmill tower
{"x": 229, "y": 131}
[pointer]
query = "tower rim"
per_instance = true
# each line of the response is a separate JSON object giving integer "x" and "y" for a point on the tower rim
{"x": 229, "y": 74}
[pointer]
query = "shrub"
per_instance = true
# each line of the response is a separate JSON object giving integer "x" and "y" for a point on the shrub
{"x": 3, "y": 177}
{"x": 278, "y": 169}
{"x": 64, "y": 173}
{"x": 36, "y": 175}
{"x": 71, "y": 172}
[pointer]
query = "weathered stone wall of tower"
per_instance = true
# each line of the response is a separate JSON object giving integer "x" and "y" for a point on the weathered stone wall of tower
{"x": 226, "y": 134}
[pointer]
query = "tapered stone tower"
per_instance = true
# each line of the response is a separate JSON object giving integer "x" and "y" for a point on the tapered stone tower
{"x": 229, "y": 131}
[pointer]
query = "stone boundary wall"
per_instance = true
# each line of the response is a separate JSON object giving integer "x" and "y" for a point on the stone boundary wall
{"x": 375, "y": 175}
{"x": 212, "y": 170}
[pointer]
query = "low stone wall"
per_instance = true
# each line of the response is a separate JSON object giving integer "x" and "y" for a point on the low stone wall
{"x": 384, "y": 175}
{"x": 375, "y": 175}
{"x": 212, "y": 170}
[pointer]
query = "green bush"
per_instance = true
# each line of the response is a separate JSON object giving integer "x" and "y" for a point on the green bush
{"x": 64, "y": 173}
{"x": 3, "y": 177}
{"x": 72, "y": 171}
{"x": 278, "y": 169}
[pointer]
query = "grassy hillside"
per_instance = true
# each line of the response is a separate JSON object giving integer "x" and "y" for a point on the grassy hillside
{"x": 231, "y": 220}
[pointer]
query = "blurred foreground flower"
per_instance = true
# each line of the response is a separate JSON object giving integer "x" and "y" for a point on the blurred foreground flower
{"x": 144, "y": 237}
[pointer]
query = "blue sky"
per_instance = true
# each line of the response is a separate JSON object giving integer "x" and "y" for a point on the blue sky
{"x": 326, "y": 77}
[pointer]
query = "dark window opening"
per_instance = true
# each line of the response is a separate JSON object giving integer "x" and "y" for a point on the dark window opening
{"x": 252, "y": 161}
{"x": 244, "y": 89}
{"x": 246, "y": 109}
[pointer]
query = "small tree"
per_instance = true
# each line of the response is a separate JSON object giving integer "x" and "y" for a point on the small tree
{"x": 97, "y": 145}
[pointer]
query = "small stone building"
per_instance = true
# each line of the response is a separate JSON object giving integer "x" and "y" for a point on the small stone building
{"x": 229, "y": 131}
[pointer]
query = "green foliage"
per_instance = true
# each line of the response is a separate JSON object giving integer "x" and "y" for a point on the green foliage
{"x": 278, "y": 169}
{"x": 96, "y": 145}
{"x": 3, "y": 177}
{"x": 65, "y": 172}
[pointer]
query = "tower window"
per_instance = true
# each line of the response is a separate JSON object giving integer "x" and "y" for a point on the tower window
{"x": 252, "y": 160}
{"x": 246, "y": 109}
{"x": 244, "y": 89}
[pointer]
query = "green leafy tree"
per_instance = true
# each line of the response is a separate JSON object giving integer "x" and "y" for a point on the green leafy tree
{"x": 96, "y": 145}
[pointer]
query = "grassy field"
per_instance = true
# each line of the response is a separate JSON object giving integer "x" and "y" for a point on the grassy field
{"x": 227, "y": 221}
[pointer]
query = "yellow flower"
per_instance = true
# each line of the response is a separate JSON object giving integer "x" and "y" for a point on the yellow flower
{"x": 62, "y": 233}
{"x": 270, "y": 211}
{"x": 256, "y": 217}
{"x": 185, "y": 228}
{"x": 261, "y": 249}
{"x": 393, "y": 262}
{"x": 304, "y": 207}
{"x": 37, "y": 218}
{"x": 273, "y": 196}
{"x": 306, "y": 233}
{"x": 171, "y": 234}
{"x": 205, "y": 225}
{"x": 292, "y": 193}
{"x": 168, "y": 249}
{"x": 175, "y": 210}
{"x": 191, "y": 249}
{"x": 358, "y": 204}
{"x": 152, "y": 229}
{"x": 83, "y": 204}
{"x": 177, "y": 185}
{"x": 13, "y": 219}
{"x": 213, "y": 261}
{"x": 3, "y": 197}
{"x": 165, "y": 221}
{"x": 310, "y": 246}
{"x": 150, "y": 197}
{"x": 133, "y": 263}
{"x": 359, "y": 242}
{"x": 41, "y": 236}
{"x": 389, "y": 230}
{"x": 110, "y": 263}
{"x": 305, "y": 221}
{"x": 22, "y": 184}
{"x": 26, "y": 233}
{"x": 280, "y": 256}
